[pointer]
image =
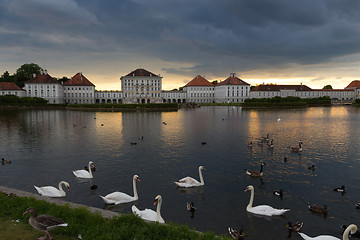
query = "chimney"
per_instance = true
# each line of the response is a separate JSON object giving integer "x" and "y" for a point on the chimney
{"x": 34, "y": 75}
{"x": 45, "y": 72}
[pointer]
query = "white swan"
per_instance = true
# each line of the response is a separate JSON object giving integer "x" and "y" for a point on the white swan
{"x": 83, "y": 173}
{"x": 262, "y": 209}
{"x": 50, "y": 191}
{"x": 149, "y": 214}
{"x": 120, "y": 197}
{"x": 191, "y": 182}
{"x": 351, "y": 228}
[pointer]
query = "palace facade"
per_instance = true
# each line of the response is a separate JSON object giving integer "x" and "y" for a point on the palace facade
{"x": 142, "y": 86}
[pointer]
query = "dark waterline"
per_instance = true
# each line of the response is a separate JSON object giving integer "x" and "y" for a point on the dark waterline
{"x": 47, "y": 145}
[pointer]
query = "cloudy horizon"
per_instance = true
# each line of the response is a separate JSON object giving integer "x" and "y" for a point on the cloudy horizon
{"x": 263, "y": 41}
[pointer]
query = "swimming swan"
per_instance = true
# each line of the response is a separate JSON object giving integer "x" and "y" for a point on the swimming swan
{"x": 83, "y": 173}
{"x": 191, "y": 182}
{"x": 120, "y": 197}
{"x": 351, "y": 228}
{"x": 149, "y": 214}
{"x": 50, "y": 191}
{"x": 262, "y": 209}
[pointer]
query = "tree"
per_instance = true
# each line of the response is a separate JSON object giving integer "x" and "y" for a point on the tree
{"x": 327, "y": 87}
{"x": 6, "y": 77}
{"x": 25, "y": 73}
{"x": 214, "y": 82}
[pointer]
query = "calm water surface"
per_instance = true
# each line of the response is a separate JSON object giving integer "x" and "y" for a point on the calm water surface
{"x": 47, "y": 145}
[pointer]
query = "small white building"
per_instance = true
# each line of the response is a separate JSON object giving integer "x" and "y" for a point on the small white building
{"x": 79, "y": 90}
{"x": 108, "y": 96}
{"x": 199, "y": 90}
{"x": 141, "y": 86}
{"x": 10, "y": 88}
{"x": 174, "y": 96}
{"x": 232, "y": 90}
{"x": 45, "y": 86}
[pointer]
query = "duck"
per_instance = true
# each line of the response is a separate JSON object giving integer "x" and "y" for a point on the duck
{"x": 236, "y": 234}
{"x": 43, "y": 222}
{"x": 340, "y": 189}
{"x": 317, "y": 209}
{"x": 358, "y": 205}
{"x": 267, "y": 138}
{"x": 297, "y": 149}
{"x": 93, "y": 187}
{"x": 133, "y": 143}
{"x": 164, "y": 123}
{"x": 350, "y": 229}
{"x": 141, "y": 137}
{"x": 191, "y": 182}
{"x": 352, "y": 235}
{"x": 203, "y": 143}
{"x": 191, "y": 208}
{"x": 149, "y": 214}
{"x": 312, "y": 167}
{"x": 93, "y": 168}
{"x": 271, "y": 145}
{"x": 264, "y": 210}
{"x": 4, "y": 161}
{"x": 83, "y": 173}
{"x": 250, "y": 144}
{"x": 256, "y": 173}
{"x": 278, "y": 193}
{"x": 50, "y": 191}
{"x": 294, "y": 227}
{"x": 120, "y": 197}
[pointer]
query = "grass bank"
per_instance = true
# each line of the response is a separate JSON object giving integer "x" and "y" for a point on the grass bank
{"x": 88, "y": 225}
{"x": 125, "y": 107}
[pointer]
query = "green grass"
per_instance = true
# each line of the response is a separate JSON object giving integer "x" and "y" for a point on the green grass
{"x": 89, "y": 225}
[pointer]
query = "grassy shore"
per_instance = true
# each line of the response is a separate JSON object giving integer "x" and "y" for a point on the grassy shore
{"x": 88, "y": 225}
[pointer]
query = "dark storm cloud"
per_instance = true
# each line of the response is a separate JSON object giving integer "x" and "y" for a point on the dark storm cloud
{"x": 210, "y": 35}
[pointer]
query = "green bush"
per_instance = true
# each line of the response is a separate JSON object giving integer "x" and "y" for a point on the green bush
{"x": 12, "y": 99}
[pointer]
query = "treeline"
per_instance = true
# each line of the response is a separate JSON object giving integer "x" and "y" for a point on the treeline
{"x": 12, "y": 99}
{"x": 287, "y": 101}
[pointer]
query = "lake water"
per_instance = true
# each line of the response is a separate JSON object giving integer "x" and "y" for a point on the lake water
{"x": 47, "y": 145}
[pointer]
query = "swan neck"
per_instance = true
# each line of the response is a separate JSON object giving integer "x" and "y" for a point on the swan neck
{"x": 261, "y": 168}
{"x": 352, "y": 228}
{"x": 201, "y": 177}
{"x": 249, "y": 206}
{"x": 135, "y": 190}
{"x": 90, "y": 170}
{"x": 158, "y": 207}
{"x": 60, "y": 186}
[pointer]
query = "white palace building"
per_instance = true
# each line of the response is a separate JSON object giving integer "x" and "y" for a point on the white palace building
{"x": 142, "y": 86}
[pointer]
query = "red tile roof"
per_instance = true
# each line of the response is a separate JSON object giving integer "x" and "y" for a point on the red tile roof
{"x": 199, "y": 81}
{"x": 354, "y": 84}
{"x": 78, "y": 80}
{"x": 43, "y": 78}
{"x": 233, "y": 80}
{"x": 281, "y": 87}
{"x": 9, "y": 86}
{"x": 334, "y": 90}
{"x": 141, "y": 72}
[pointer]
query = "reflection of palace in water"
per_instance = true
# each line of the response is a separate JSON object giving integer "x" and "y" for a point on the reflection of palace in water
{"x": 142, "y": 86}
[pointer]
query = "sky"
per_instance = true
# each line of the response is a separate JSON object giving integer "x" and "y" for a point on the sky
{"x": 263, "y": 41}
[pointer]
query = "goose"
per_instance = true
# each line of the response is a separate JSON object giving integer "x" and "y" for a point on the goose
{"x": 262, "y": 209}
{"x": 285, "y": 159}
{"x": 50, "y": 191}
{"x": 279, "y": 119}
{"x": 340, "y": 189}
{"x": 149, "y": 214}
{"x": 191, "y": 208}
{"x": 133, "y": 143}
{"x": 352, "y": 235}
{"x": 83, "y": 173}
{"x": 235, "y": 234}
{"x": 297, "y": 149}
{"x": 267, "y": 138}
{"x": 350, "y": 229}
{"x": 256, "y": 173}
{"x": 43, "y": 222}
{"x": 250, "y": 144}
{"x": 294, "y": 227}
{"x": 317, "y": 209}
{"x": 271, "y": 145}
{"x": 203, "y": 143}
{"x": 4, "y": 161}
{"x": 191, "y": 182}
{"x": 279, "y": 193}
{"x": 120, "y": 197}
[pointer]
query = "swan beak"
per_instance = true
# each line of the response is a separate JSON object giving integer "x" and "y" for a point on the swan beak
{"x": 138, "y": 179}
{"x": 92, "y": 165}
{"x": 155, "y": 202}
{"x": 25, "y": 212}
{"x": 246, "y": 190}
{"x": 68, "y": 188}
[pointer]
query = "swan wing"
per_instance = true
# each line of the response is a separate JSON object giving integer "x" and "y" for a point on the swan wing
{"x": 49, "y": 191}
{"x": 267, "y": 210}
{"x": 321, "y": 237}
{"x": 82, "y": 174}
{"x": 188, "y": 182}
{"x": 146, "y": 214}
{"x": 117, "y": 198}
